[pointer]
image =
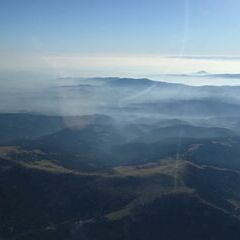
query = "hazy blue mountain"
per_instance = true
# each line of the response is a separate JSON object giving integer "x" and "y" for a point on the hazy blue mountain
{"x": 190, "y": 108}
{"x": 27, "y": 126}
{"x": 185, "y": 131}
{"x": 123, "y": 159}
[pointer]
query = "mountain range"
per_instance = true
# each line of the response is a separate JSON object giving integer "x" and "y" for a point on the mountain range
{"x": 153, "y": 161}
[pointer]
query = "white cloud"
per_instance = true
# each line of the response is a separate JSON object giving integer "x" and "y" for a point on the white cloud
{"x": 117, "y": 65}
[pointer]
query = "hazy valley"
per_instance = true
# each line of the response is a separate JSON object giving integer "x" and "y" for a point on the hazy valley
{"x": 122, "y": 159}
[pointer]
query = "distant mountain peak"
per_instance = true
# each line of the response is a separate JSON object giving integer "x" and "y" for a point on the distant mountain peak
{"x": 202, "y": 73}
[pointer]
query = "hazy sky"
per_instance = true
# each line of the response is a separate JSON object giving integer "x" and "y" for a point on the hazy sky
{"x": 118, "y": 36}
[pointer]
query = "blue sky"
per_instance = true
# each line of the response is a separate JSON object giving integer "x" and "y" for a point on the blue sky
{"x": 207, "y": 27}
{"x": 118, "y": 27}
